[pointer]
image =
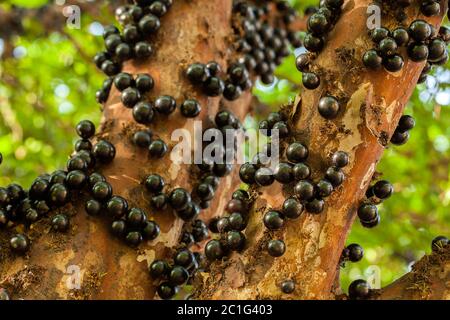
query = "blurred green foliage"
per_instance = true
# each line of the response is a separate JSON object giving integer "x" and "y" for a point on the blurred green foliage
{"x": 49, "y": 84}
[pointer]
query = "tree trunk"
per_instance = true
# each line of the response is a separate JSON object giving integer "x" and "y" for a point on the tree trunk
{"x": 201, "y": 31}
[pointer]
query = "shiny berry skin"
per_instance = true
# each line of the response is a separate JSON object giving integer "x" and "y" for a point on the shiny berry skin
{"x": 204, "y": 191}
{"x": 130, "y": 97}
{"x": 367, "y": 212}
{"x": 438, "y": 243}
{"x": 142, "y": 138}
{"x": 318, "y": 24}
{"x": 199, "y": 230}
{"x": 179, "y": 198}
{"x": 247, "y": 173}
{"x": 133, "y": 238}
{"x": 223, "y": 224}
{"x": 328, "y": 107}
{"x": 287, "y": 286}
{"x": 101, "y": 57}
{"x": 372, "y": 60}
{"x": 112, "y": 41}
{"x": 15, "y": 193}
{"x": 101, "y": 191}
{"x": 223, "y": 118}
{"x": 38, "y": 189}
{"x": 58, "y": 194}
{"x": 58, "y": 176}
{"x": 436, "y": 49}
{"x": 143, "y": 112}
{"x": 340, "y": 159}
{"x": 117, "y": 207}
{"x": 304, "y": 190}
{"x": 94, "y": 178}
{"x": 282, "y": 128}
{"x": 235, "y": 240}
{"x": 159, "y": 201}
{"x": 157, "y": 148}
{"x": 383, "y": 189}
{"x": 420, "y": 30}
{"x": 109, "y": 30}
{"x": 302, "y": 62}
{"x": 274, "y": 117}
{"x": 276, "y": 248}
{"x": 165, "y": 104}
{"x": 184, "y": 258}
{"x": 355, "y": 252}
{"x": 213, "y": 250}
{"x": 136, "y": 218}
{"x": 76, "y": 179}
{"x": 301, "y": 171}
{"x": 406, "y": 123}
{"x": 142, "y": 50}
{"x": 93, "y": 207}
{"x": 417, "y": 52}
{"x": 104, "y": 151}
{"x": 232, "y": 91}
{"x": 158, "y": 269}
{"x": 292, "y": 208}
{"x": 76, "y": 163}
{"x": 118, "y": 228}
{"x": 190, "y": 108}
{"x": 238, "y": 73}
{"x": 19, "y": 243}
{"x": 264, "y": 176}
{"x": 213, "y": 86}
{"x": 387, "y": 47}
{"x": 213, "y": 68}
{"x": 158, "y": 8}
{"x": 144, "y": 82}
{"x": 85, "y": 129}
{"x": 324, "y": 188}
{"x": 401, "y": 36}
{"x": 430, "y": 8}
{"x": 178, "y": 275}
{"x": 131, "y": 34}
{"x": 283, "y": 173}
{"x": 313, "y": 43}
{"x": 236, "y": 205}
{"x": 149, "y": 24}
{"x": 400, "y": 138}
{"x": 444, "y": 33}
{"x": 110, "y": 68}
{"x": 394, "y": 63}
{"x": 82, "y": 144}
{"x": 379, "y": 34}
{"x": 358, "y": 290}
{"x": 60, "y": 223}
{"x": 273, "y": 220}
{"x": 310, "y": 80}
{"x": 154, "y": 183}
{"x": 151, "y": 230}
{"x": 315, "y": 206}
{"x": 212, "y": 180}
{"x": 241, "y": 195}
{"x": 197, "y": 73}
{"x": 371, "y": 224}
{"x": 123, "y": 81}
{"x": 166, "y": 290}
{"x": 236, "y": 221}
{"x": 190, "y": 212}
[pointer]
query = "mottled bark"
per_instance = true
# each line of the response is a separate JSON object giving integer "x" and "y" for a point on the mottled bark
{"x": 371, "y": 105}
{"x": 190, "y": 32}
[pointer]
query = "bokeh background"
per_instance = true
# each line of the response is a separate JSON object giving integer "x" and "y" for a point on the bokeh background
{"x": 48, "y": 83}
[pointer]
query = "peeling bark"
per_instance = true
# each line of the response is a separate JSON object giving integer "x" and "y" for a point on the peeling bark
{"x": 371, "y": 105}
{"x": 110, "y": 269}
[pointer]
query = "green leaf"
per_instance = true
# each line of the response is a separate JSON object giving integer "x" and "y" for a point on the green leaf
{"x": 29, "y": 3}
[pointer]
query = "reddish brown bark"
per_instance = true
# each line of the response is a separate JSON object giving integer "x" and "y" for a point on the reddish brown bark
{"x": 200, "y": 31}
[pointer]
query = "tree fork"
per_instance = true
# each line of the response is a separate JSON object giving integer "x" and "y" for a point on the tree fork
{"x": 373, "y": 102}
{"x": 110, "y": 269}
